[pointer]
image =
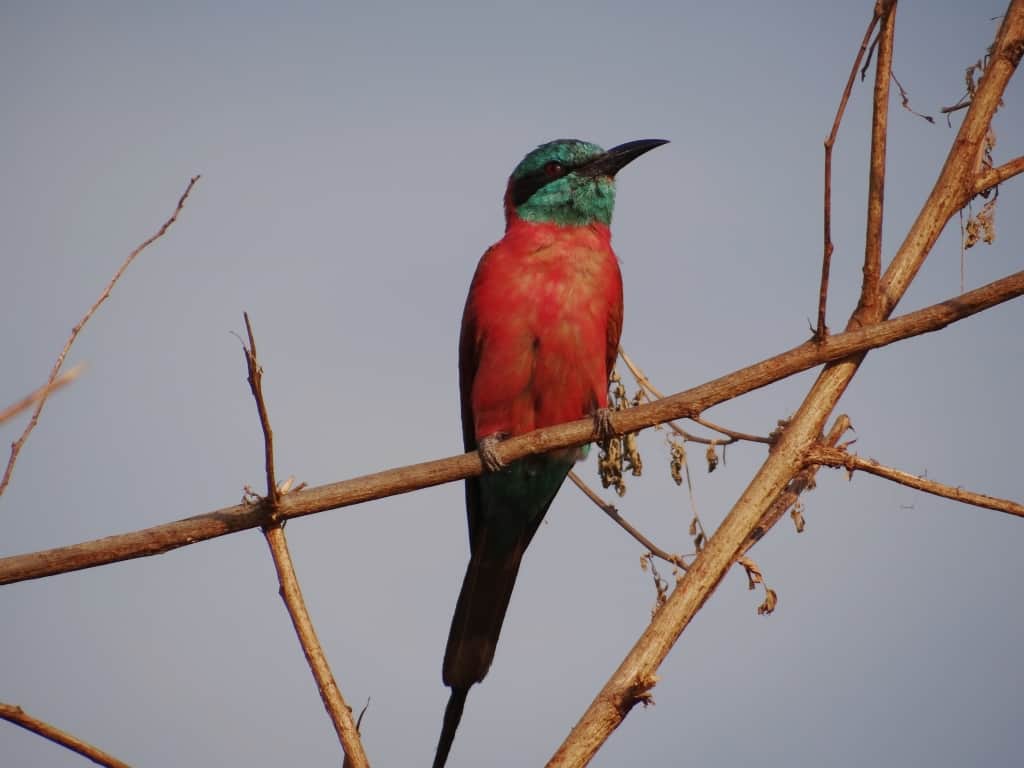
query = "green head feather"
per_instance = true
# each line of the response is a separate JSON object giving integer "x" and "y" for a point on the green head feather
{"x": 551, "y": 185}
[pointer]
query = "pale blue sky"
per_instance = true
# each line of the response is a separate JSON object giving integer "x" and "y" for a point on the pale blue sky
{"x": 353, "y": 162}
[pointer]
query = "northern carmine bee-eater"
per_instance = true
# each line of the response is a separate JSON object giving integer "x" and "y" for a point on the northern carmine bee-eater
{"x": 540, "y": 333}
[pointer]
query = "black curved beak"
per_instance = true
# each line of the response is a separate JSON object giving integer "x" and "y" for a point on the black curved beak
{"x": 616, "y": 158}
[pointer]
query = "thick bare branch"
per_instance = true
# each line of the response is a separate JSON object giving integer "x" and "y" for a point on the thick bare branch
{"x": 16, "y": 446}
{"x": 163, "y": 538}
{"x": 836, "y": 457}
{"x": 18, "y": 716}
{"x": 869, "y": 298}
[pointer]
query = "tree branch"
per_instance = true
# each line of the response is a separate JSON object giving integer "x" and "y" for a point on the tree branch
{"x": 613, "y": 513}
{"x": 958, "y": 179}
{"x": 876, "y": 177}
{"x": 801, "y": 482}
{"x": 255, "y": 379}
{"x": 18, "y": 716}
{"x": 44, "y": 391}
{"x": 163, "y": 538}
{"x": 731, "y": 435}
{"x": 16, "y": 446}
{"x": 339, "y": 712}
{"x": 994, "y": 176}
{"x": 837, "y": 457}
{"x": 826, "y": 259}
{"x": 631, "y": 682}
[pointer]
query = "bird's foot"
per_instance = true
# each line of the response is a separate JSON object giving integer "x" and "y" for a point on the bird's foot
{"x": 603, "y": 425}
{"x": 492, "y": 462}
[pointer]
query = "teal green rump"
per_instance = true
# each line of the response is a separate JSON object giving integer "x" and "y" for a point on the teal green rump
{"x": 518, "y": 496}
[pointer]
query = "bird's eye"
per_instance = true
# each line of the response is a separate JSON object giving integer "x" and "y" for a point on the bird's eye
{"x": 554, "y": 169}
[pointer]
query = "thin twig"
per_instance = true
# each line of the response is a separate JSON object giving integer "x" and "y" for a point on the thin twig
{"x": 339, "y": 712}
{"x": 826, "y": 261}
{"x": 652, "y": 393}
{"x": 837, "y": 457}
{"x": 970, "y": 78}
{"x": 732, "y": 436}
{"x": 692, "y": 438}
{"x": 163, "y": 538}
{"x": 18, "y": 716}
{"x": 639, "y": 375}
{"x": 255, "y": 379}
{"x": 905, "y": 101}
{"x": 696, "y": 524}
{"x": 613, "y": 513}
{"x": 17, "y": 444}
{"x": 44, "y": 391}
{"x": 874, "y": 44}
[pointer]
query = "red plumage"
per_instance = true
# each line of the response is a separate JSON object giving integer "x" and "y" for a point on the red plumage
{"x": 540, "y": 330}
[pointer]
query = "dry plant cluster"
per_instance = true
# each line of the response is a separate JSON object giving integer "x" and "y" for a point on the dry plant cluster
{"x": 796, "y": 450}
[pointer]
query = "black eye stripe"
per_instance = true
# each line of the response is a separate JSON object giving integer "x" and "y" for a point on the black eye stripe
{"x": 523, "y": 189}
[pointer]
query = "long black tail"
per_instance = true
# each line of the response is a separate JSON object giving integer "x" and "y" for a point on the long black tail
{"x": 480, "y": 612}
{"x": 515, "y": 503}
{"x": 473, "y": 638}
{"x": 452, "y": 716}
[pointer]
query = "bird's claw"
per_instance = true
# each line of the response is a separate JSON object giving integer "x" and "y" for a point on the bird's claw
{"x": 491, "y": 461}
{"x": 603, "y": 424}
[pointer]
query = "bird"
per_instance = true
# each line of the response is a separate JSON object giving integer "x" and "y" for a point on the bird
{"x": 539, "y": 337}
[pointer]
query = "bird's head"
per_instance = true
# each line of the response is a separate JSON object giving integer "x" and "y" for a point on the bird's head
{"x": 569, "y": 182}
